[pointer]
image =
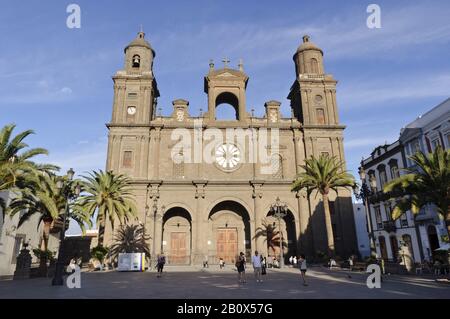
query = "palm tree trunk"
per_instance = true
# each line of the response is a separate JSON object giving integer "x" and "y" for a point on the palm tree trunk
{"x": 44, "y": 248}
{"x": 329, "y": 226}
{"x": 45, "y": 235}
{"x": 101, "y": 232}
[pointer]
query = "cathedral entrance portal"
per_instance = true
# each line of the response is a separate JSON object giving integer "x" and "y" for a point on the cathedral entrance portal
{"x": 176, "y": 239}
{"x": 229, "y": 232}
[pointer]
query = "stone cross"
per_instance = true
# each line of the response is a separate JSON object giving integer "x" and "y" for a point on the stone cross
{"x": 225, "y": 61}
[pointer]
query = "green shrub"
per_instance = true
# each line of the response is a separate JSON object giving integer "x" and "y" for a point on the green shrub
{"x": 99, "y": 253}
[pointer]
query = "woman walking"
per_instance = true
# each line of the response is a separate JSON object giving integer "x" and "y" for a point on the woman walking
{"x": 240, "y": 265}
{"x": 302, "y": 266}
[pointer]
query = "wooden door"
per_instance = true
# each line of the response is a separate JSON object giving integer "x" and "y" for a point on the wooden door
{"x": 178, "y": 248}
{"x": 227, "y": 245}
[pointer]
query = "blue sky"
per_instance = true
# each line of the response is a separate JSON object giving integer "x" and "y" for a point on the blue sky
{"x": 57, "y": 81}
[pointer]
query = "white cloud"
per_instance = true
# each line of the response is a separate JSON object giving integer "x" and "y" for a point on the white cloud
{"x": 66, "y": 90}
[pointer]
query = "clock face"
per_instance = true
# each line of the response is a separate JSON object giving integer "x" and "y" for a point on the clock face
{"x": 228, "y": 156}
{"x": 131, "y": 110}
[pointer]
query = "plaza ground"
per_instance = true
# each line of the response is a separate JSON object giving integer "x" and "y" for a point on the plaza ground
{"x": 213, "y": 283}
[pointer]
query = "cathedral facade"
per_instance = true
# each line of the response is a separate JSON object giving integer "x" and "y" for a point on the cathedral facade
{"x": 204, "y": 187}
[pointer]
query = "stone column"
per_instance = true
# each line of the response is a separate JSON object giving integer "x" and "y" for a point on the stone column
{"x": 199, "y": 226}
{"x": 258, "y": 243}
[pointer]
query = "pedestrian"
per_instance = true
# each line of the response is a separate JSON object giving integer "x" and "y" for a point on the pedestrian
{"x": 263, "y": 265}
{"x": 302, "y": 266}
{"x": 221, "y": 263}
{"x": 240, "y": 265}
{"x": 256, "y": 262}
{"x": 160, "y": 264}
{"x": 294, "y": 260}
{"x": 332, "y": 263}
{"x": 205, "y": 261}
{"x": 350, "y": 266}
{"x": 291, "y": 261}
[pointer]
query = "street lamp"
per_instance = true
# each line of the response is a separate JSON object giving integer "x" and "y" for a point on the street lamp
{"x": 68, "y": 193}
{"x": 363, "y": 194}
{"x": 279, "y": 211}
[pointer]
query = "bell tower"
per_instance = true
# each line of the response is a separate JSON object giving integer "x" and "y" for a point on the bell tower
{"x": 135, "y": 88}
{"x": 313, "y": 94}
{"x": 228, "y": 86}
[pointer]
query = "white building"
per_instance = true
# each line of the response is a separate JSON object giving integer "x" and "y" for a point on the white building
{"x": 13, "y": 237}
{"x": 407, "y": 239}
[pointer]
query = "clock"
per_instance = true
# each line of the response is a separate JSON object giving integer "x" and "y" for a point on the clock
{"x": 131, "y": 110}
{"x": 228, "y": 157}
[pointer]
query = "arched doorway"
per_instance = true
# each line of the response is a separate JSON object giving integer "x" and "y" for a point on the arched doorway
{"x": 433, "y": 239}
{"x": 177, "y": 236}
{"x": 229, "y": 229}
{"x": 394, "y": 247}
{"x": 271, "y": 231}
{"x": 383, "y": 249}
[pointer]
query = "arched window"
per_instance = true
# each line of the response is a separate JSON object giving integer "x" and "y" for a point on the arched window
{"x": 314, "y": 66}
{"x": 320, "y": 116}
{"x": 227, "y": 106}
{"x": 383, "y": 249}
{"x": 382, "y": 173}
{"x": 136, "y": 62}
{"x": 393, "y": 165}
{"x": 178, "y": 165}
{"x": 276, "y": 163}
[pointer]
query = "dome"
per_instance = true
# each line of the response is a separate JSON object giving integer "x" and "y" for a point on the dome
{"x": 140, "y": 42}
{"x": 308, "y": 45}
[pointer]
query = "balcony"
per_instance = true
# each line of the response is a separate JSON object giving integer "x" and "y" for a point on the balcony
{"x": 389, "y": 226}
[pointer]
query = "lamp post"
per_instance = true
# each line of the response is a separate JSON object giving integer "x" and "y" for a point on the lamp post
{"x": 363, "y": 194}
{"x": 279, "y": 211}
{"x": 68, "y": 193}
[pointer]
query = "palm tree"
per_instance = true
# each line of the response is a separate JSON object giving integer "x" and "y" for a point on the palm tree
{"x": 427, "y": 182}
{"x": 15, "y": 160}
{"x": 323, "y": 175}
{"x": 110, "y": 196}
{"x": 270, "y": 234}
{"x": 130, "y": 239}
{"x": 43, "y": 197}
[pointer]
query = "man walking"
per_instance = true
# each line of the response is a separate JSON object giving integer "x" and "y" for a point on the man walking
{"x": 256, "y": 261}
{"x": 160, "y": 264}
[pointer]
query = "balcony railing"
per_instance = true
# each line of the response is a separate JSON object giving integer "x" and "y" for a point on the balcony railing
{"x": 389, "y": 226}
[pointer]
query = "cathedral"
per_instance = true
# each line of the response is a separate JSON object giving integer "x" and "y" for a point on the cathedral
{"x": 211, "y": 198}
